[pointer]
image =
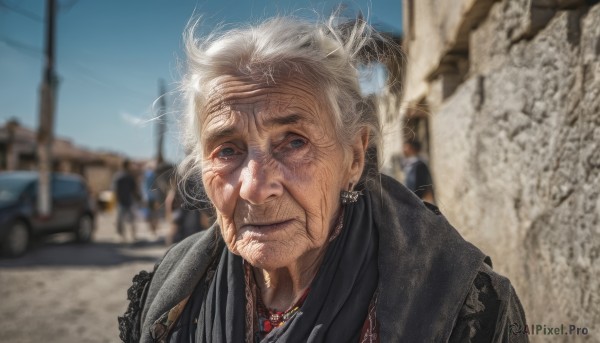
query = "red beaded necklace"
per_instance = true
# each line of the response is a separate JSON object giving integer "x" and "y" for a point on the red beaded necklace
{"x": 269, "y": 319}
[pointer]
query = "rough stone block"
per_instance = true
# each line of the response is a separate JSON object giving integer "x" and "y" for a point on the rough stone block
{"x": 488, "y": 49}
{"x": 558, "y": 3}
{"x": 525, "y": 19}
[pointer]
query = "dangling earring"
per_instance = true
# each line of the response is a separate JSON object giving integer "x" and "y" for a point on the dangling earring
{"x": 349, "y": 197}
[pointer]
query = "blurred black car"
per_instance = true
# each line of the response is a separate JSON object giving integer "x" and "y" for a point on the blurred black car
{"x": 72, "y": 210}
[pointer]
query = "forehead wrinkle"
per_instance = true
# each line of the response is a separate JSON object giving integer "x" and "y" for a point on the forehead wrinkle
{"x": 285, "y": 120}
{"x": 270, "y": 110}
{"x": 308, "y": 89}
{"x": 230, "y": 89}
{"x": 286, "y": 110}
{"x": 235, "y": 101}
{"x": 312, "y": 102}
{"x": 243, "y": 90}
{"x": 305, "y": 106}
{"x": 268, "y": 120}
{"x": 291, "y": 102}
{"x": 220, "y": 125}
{"x": 227, "y": 90}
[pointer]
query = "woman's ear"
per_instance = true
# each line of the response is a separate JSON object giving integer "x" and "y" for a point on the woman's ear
{"x": 359, "y": 149}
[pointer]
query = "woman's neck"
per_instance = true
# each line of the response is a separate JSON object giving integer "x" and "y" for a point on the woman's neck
{"x": 282, "y": 287}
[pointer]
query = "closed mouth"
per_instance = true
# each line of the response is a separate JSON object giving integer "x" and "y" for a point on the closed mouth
{"x": 268, "y": 225}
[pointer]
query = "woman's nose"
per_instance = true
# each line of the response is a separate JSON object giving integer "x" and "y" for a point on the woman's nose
{"x": 259, "y": 182}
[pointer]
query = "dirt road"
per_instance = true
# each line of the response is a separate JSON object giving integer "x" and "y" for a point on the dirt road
{"x": 64, "y": 292}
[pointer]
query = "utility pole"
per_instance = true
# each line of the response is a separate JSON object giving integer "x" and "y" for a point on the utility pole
{"x": 161, "y": 124}
{"x": 46, "y": 118}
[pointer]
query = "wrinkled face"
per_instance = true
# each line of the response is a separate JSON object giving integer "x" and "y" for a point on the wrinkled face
{"x": 272, "y": 168}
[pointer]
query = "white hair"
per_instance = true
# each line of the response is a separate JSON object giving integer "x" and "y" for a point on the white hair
{"x": 327, "y": 54}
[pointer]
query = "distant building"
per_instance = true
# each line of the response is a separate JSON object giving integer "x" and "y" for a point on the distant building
{"x": 18, "y": 152}
{"x": 17, "y": 147}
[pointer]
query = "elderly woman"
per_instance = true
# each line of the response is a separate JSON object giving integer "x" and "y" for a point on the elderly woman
{"x": 311, "y": 244}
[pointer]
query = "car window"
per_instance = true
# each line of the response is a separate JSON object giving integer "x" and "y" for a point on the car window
{"x": 11, "y": 188}
{"x": 66, "y": 188}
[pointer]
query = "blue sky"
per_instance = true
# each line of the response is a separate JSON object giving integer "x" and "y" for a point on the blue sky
{"x": 110, "y": 55}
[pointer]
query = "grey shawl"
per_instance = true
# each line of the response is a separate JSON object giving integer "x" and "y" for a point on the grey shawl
{"x": 426, "y": 271}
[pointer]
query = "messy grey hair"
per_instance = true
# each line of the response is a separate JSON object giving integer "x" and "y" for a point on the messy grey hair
{"x": 327, "y": 54}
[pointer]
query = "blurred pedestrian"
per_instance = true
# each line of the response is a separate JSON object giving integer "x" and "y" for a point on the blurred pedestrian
{"x": 187, "y": 214}
{"x": 151, "y": 197}
{"x": 127, "y": 193}
{"x": 417, "y": 177}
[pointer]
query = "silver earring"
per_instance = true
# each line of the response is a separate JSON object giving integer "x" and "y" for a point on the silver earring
{"x": 349, "y": 197}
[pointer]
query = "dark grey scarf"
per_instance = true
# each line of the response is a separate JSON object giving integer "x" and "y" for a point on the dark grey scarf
{"x": 425, "y": 271}
{"x": 334, "y": 311}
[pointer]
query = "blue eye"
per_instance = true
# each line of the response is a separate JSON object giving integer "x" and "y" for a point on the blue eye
{"x": 297, "y": 143}
{"x": 226, "y": 152}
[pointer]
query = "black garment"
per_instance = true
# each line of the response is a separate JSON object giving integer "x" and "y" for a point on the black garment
{"x": 481, "y": 313}
{"x": 418, "y": 179}
{"x": 334, "y": 311}
{"x": 125, "y": 188}
{"x": 428, "y": 282}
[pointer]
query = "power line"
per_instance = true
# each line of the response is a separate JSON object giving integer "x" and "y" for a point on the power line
{"x": 67, "y": 5}
{"x": 22, "y": 47}
{"x": 75, "y": 67}
{"x": 21, "y": 11}
{"x": 85, "y": 72}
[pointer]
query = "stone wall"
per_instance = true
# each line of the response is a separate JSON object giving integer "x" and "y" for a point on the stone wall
{"x": 437, "y": 32}
{"x": 515, "y": 154}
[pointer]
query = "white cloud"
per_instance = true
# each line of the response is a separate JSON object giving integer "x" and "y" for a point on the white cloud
{"x": 133, "y": 120}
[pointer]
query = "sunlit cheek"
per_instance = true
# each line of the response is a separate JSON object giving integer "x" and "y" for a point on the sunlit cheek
{"x": 221, "y": 192}
{"x": 229, "y": 233}
{"x": 322, "y": 219}
{"x": 224, "y": 197}
{"x": 324, "y": 202}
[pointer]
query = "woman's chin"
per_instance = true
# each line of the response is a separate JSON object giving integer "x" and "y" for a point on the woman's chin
{"x": 268, "y": 255}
